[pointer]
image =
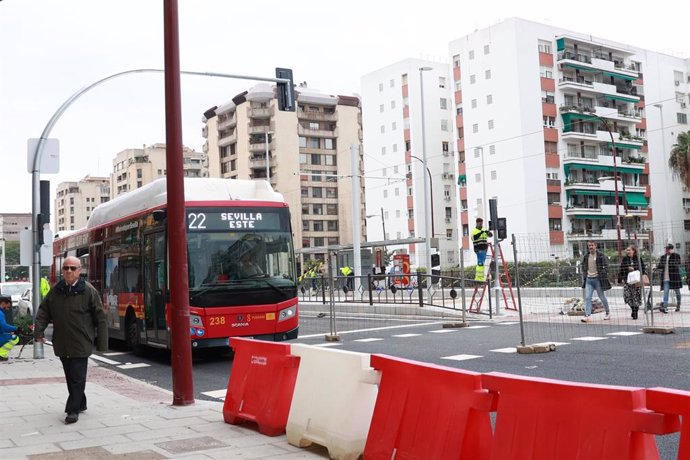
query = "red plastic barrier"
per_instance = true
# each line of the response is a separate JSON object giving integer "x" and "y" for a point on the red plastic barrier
{"x": 261, "y": 385}
{"x": 670, "y": 401}
{"x": 547, "y": 419}
{"x": 428, "y": 411}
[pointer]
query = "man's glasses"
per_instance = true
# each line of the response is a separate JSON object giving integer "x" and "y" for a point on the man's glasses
{"x": 70, "y": 268}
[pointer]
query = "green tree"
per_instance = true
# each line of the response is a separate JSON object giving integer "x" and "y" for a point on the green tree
{"x": 679, "y": 160}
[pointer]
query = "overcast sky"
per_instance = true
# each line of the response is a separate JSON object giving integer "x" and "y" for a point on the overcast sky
{"x": 49, "y": 49}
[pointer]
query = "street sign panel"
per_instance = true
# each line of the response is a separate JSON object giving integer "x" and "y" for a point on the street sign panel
{"x": 50, "y": 158}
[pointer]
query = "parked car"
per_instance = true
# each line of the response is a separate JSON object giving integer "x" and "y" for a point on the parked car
{"x": 16, "y": 289}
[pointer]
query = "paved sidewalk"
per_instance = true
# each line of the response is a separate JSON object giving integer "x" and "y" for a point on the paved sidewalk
{"x": 126, "y": 418}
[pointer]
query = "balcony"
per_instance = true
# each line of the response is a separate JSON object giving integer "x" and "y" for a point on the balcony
{"x": 317, "y": 116}
{"x": 260, "y": 112}
{"x": 225, "y": 141}
{"x": 447, "y": 176}
{"x": 230, "y": 122}
{"x": 302, "y": 131}
{"x": 582, "y": 210}
{"x": 261, "y": 147}
{"x": 260, "y": 129}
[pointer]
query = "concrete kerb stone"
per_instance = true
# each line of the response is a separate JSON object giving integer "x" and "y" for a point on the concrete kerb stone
{"x": 536, "y": 348}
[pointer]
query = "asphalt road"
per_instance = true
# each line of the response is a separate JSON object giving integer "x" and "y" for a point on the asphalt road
{"x": 615, "y": 354}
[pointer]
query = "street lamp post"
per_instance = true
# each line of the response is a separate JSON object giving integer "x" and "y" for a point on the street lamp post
{"x": 663, "y": 147}
{"x": 427, "y": 216}
{"x": 431, "y": 193}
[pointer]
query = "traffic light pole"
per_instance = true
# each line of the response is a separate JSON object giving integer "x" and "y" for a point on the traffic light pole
{"x": 493, "y": 212}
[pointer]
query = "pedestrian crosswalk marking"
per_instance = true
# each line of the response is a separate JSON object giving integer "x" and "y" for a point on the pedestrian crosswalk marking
{"x": 133, "y": 365}
{"x": 371, "y": 339}
{"x": 624, "y": 333}
{"x": 327, "y": 344}
{"x": 407, "y": 335}
{"x": 105, "y": 360}
{"x": 442, "y": 331}
{"x": 505, "y": 350}
{"x": 477, "y": 327}
{"x": 461, "y": 357}
{"x": 589, "y": 338}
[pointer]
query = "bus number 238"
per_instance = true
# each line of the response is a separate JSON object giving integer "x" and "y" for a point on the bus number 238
{"x": 217, "y": 320}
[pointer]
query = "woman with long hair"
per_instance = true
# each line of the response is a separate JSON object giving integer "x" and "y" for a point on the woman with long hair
{"x": 632, "y": 293}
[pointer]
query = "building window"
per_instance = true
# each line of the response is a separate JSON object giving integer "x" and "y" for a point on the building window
{"x": 492, "y": 150}
{"x": 381, "y": 108}
{"x": 383, "y": 129}
{"x": 473, "y": 103}
{"x": 317, "y": 209}
{"x": 443, "y": 102}
{"x": 473, "y": 79}
{"x": 318, "y": 242}
{"x": 444, "y": 146}
{"x": 491, "y": 124}
{"x": 394, "y": 126}
{"x": 392, "y": 104}
{"x": 303, "y": 158}
{"x": 493, "y": 175}
{"x": 477, "y": 177}
{"x": 489, "y": 99}
{"x": 392, "y": 83}
{"x": 555, "y": 224}
{"x": 305, "y": 225}
{"x": 397, "y": 191}
{"x": 403, "y": 79}
{"x": 551, "y": 147}
{"x": 331, "y": 193}
{"x": 549, "y": 122}
{"x": 330, "y": 160}
{"x": 332, "y": 225}
{"x": 547, "y": 96}
{"x": 313, "y": 125}
{"x": 444, "y": 125}
{"x": 328, "y": 144}
{"x": 314, "y": 143}
{"x": 441, "y": 82}
{"x": 477, "y": 152}
{"x": 475, "y": 128}
{"x": 332, "y": 209}
{"x": 487, "y": 49}
{"x": 380, "y": 87}
{"x": 315, "y": 159}
{"x": 682, "y": 118}
{"x": 318, "y": 225}
{"x": 305, "y": 192}
{"x": 544, "y": 46}
{"x": 397, "y": 214}
{"x": 487, "y": 74}
{"x": 456, "y": 60}
{"x": 395, "y": 147}
{"x": 471, "y": 54}
{"x": 317, "y": 192}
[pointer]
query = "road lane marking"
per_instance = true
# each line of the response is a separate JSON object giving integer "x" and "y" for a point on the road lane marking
{"x": 371, "y": 339}
{"x": 476, "y": 327}
{"x": 461, "y": 357}
{"x": 442, "y": 331}
{"x": 407, "y": 335}
{"x": 328, "y": 344}
{"x": 507, "y": 323}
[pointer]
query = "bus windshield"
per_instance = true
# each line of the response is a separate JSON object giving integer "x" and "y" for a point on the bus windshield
{"x": 238, "y": 260}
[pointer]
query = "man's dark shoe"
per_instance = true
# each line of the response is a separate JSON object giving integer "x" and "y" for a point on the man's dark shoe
{"x": 678, "y": 308}
{"x": 72, "y": 418}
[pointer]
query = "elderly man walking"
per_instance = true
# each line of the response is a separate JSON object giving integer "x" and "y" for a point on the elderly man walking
{"x": 75, "y": 309}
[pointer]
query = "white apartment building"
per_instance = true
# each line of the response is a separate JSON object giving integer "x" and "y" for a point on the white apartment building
{"x": 134, "y": 168}
{"x": 395, "y": 143}
{"x": 74, "y": 201}
{"x": 536, "y": 109}
{"x": 307, "y": 158}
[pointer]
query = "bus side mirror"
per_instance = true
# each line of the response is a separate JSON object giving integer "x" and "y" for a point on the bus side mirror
{"x": 159, "y": 215}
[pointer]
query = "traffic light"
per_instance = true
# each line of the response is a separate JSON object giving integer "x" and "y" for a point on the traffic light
{"x": 285, "y": 92}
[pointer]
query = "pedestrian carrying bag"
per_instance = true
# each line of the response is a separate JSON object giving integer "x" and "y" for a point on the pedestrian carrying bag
{"x": 634, "y": 278}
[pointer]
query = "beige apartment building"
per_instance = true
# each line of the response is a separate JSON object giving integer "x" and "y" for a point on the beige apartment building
{"x": 307, "y": 157}
{"x": 134, "y": 168}
{"x": 74, "y": 201}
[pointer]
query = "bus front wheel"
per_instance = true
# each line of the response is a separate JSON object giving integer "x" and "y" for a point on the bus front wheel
{"x": 131, "y": 331}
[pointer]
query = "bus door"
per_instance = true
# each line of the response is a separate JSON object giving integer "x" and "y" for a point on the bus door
{"x": 155, "y": 276}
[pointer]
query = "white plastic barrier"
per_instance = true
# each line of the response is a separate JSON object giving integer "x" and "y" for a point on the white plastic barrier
{"x": 333, "y": 401}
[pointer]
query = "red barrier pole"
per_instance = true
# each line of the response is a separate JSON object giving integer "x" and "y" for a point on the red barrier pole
{"x": 181, "y": 354}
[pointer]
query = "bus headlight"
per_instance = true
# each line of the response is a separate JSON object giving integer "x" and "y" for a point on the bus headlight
{"x": 200, "y": 332}
{"x": 195, "y": 320}
{"x": 287, "y": 313}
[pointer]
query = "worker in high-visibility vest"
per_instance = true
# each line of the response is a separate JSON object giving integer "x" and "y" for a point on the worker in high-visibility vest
{"x": 350, "y": 274}
{"x": 480, "y": 243}
{"x": 45, "y": 288}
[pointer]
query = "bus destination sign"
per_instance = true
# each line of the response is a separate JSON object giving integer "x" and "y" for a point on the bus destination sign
{"x": 234, "y": 220}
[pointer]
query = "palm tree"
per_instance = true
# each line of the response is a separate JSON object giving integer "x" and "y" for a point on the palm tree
{"x": 679, "y": 160}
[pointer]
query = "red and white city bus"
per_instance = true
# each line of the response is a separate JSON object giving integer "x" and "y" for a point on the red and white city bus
{"x": 240, "y": 259}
